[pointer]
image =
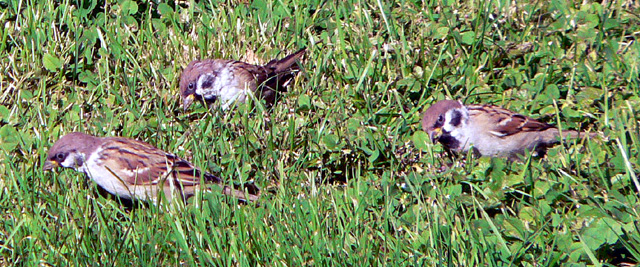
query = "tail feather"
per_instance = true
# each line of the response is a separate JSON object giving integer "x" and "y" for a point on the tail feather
{"x": 287, "y": 63}
{"x": 576, "y": 135}
{"x": 212, "y": 178}
{"x": 252, "y": 195}
{"x": 240, "y": 194}
{"x": 277, "y": 76}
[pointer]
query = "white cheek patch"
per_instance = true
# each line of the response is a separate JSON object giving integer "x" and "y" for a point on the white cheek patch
{"x": 447, "y": 127}
{"x": 71, "y": 161}
{"x": 458, "y": 130}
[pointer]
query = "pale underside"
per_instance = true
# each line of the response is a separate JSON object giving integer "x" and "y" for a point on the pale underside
{"x": 130, "y": 177}
{"x": 496, "y": 132}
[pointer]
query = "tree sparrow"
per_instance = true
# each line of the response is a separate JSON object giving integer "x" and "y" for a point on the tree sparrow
{"x": 131, "y": 169}
{"x": 229, "y": 80}
{"x": 492, "y": 131}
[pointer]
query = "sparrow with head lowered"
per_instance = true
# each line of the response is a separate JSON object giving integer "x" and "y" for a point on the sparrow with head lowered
{"x": 228, "y": 80}
{"x": 132, "y": 169}
{"x": 491, "y": 130}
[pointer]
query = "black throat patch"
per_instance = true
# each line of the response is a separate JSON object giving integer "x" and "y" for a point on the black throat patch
{"x": 449, "y": 141}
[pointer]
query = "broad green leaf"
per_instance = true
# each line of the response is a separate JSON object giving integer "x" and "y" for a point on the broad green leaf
{"x": 9, "y": 138}
{"x": 304, "y": 102}
{"x": 51, "y": 63}
{"x": 165, "y": 10}
{"x": 331, "y": 141}
{"x": 421, "y": 140}
{"x": 129, "y": 7}
{"x": 467, "y": 37}
{"x": 4, "y": 114}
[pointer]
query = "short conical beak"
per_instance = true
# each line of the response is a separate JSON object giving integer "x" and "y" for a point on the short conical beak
{"x": 435, "y": 134}
{"x": 49, "y": 165}
{"x": 186, "y": 103}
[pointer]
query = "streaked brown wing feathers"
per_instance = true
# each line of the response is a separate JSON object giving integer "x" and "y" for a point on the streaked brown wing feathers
{"x": 139, "y": 163}
{"x": 505, "y": 122}
{"x": 248, "y": 71}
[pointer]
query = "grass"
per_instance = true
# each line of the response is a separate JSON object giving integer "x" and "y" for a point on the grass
{"x": 349, "y": 177}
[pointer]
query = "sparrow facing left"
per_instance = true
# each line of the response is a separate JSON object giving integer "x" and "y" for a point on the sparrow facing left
{"x": 131, "y": 169}
{"x": 491, "y": 130}
{"x": 229, "y": 80}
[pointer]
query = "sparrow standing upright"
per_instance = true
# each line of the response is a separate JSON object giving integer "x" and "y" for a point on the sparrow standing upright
{"x": 491, "y": 130}
{"x": 229, "y": 80}
{"x": 131, "y": 169}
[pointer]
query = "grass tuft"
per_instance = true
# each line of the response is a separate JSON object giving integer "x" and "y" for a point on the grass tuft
{"x": 349, "y": 177}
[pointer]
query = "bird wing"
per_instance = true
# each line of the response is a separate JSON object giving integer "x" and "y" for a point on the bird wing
{"x": 503, "y": 122}
{"x": 138, "y": 163}
{"x": 249, "y": 73}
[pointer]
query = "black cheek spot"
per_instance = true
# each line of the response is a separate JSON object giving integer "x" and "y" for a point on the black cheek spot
{"x": 79, "y": 161}
{"x": 207, "y": 83}
{"x": 208, "y": 79}
{"x": 456, "y": 118}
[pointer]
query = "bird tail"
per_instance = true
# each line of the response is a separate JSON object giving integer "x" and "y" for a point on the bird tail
{"x": 277, "y": 76}
{"x": 287, "y": 63}
{"x": 212, "y": 178}
{"x": 252, "y": 195}
{"x": 246, "y": 196}
{"x": 577, "y": 135}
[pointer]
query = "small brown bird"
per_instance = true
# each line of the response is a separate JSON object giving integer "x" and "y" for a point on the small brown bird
{"x": 491, "y": 130}
{"x": 131, "y": 169}
{"x": 229, "y": 80}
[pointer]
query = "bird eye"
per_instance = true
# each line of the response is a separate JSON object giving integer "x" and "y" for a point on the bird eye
{"x": 190, "y": 85}
{"x": 440, "y": 119}
{"x": 60, "y": 156}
